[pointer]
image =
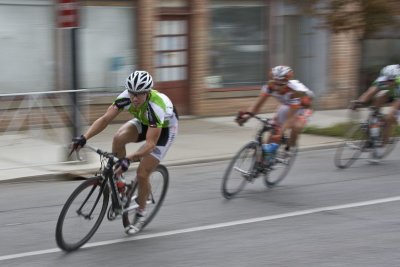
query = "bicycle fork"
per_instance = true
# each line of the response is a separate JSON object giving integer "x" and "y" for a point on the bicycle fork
{"x": 89, "y": 215}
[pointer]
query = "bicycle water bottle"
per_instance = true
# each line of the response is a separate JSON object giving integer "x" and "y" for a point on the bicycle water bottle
{"x": 121, "y": 184}
{"x": 269, "y": 151}
{"x": 374, "y": 127}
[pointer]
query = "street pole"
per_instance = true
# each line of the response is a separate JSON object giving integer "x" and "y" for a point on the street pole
{"x": 68, "y": 22}
{"x": 74, "y": 83}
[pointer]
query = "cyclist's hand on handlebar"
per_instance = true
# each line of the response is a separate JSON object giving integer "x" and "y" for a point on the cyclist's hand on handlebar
{"x": 242, "y": 117}
{"x": 354, "y": 105}
{"x": 77, "y": 143}
{"x": 121, "y": 166}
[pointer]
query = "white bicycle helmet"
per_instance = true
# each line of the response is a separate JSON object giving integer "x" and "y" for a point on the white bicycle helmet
{"x": 139, "y": 82}
{"x": 281, "y": 73}
{"x": 390, "y": 72}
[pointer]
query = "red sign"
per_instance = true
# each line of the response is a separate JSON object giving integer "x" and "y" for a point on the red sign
{"x": 67, "y": 13}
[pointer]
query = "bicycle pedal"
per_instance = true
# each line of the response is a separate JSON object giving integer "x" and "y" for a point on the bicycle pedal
{"x": 113, "y": 214}
{"x": 248, "y": 176}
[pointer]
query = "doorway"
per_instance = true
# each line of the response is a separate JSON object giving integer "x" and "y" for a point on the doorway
{"x": 171, "y": 59}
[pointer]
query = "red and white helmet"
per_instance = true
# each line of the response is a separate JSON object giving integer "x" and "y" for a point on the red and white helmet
{"x": 281, "y": 72}
{"x": 139, "y": 81}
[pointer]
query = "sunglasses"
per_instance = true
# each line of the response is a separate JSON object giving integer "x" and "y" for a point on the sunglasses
{"x": 137, "y": 94}
{"x": 280, "y": 84}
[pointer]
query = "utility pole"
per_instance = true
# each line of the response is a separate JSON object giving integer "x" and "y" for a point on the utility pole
{"x": 68, "y": 22}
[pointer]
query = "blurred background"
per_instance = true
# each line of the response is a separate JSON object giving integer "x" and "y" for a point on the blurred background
{"x": 64, "y": 61}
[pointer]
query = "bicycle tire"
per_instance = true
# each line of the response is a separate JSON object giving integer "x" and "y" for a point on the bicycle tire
{"x": 96, "y": 186}
{"x": 390, "y": 145}
{"x": 283, "y": 160}
{"x": 354, "y": 143}
{"x": 245, "y": 173}
{"x": 159, "y": 181}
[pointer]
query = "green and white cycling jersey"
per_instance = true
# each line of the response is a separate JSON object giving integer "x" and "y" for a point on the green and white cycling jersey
{"x": 158, "y": 111}
{"x": 394, "y": 91}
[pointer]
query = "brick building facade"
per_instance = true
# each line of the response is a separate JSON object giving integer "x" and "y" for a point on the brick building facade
{"x": 194, "y": 96}
{"x": 343, "y": 65}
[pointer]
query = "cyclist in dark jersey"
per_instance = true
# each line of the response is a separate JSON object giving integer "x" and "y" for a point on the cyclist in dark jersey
{"x": 385, "y": 89}
{"x": 155, "y": 122}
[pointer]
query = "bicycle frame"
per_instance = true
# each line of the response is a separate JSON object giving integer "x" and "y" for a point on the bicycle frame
{"x": 248, "y": 163}
{"x": 367, "y": 136}
{"x": 107, "y": 174}
{"x": 267, "y": 126}
{"x": 84, "y": 205}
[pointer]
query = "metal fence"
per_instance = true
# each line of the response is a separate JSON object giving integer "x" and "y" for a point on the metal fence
{"x": 35, "y": 128}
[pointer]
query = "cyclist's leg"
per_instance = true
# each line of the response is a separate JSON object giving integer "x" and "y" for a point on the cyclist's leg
{"x": 302, "y": 118}
{"x": 296, "y": 125}
{"x": 146, "y": 166}
{"x": 391, "y": 120}
{"x": 281, "y": 114}
{"x": 149, "y": 162}
{"x": 380, "y": 99}
{"x": 130, "y": 132}
{"x": 280, "y": 118}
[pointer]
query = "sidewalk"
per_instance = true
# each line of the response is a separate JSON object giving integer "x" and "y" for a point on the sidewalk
{"x": 40, "y": 154}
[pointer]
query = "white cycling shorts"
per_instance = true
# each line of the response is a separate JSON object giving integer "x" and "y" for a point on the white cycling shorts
{"x": 283, "y": 110}
{"x": 164, "y": 142}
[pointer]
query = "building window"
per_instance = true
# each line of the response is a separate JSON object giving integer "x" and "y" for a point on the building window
{"x": 171, "y": 50}
{"x": 26, "y": 46}
{"x": 107, "y": 44}
{"x": 238, "y": 44}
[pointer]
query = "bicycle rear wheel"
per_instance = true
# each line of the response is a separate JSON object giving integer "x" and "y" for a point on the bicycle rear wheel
{"x": 159, "y": 180}
{"x": 280, "y": 166}
{"x": 82, "y": 214}
{"x": 240, "y": 170}
{"x": 390, "y": 145}
{"x": 355, "y": 143}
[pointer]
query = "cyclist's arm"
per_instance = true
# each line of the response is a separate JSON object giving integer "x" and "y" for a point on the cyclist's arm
{"x": 393, "y": 111}
{"x": 152, "y": 136}
{"x": 101, "y": 123}
{"x": 367, "y": 95}
{"x": 255, "y": 108}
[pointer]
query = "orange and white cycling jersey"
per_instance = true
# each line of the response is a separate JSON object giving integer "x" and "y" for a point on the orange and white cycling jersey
{"x": 295, "y": 94}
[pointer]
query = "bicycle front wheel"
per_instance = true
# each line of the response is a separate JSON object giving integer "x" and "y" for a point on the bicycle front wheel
{"x": 82, "y": 214}
{"x": 280, "y": 166}
{"x": 159, "y": 180}
{"x": 354, "y": 144}
{"x": 240, "y": 170}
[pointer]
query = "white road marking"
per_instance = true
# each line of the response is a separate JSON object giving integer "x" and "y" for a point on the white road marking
{"x": 211, "y": 226}
{"x": 13, "y": 224}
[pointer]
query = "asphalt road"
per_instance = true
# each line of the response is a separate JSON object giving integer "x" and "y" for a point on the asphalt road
{"x": 318, "y": 216}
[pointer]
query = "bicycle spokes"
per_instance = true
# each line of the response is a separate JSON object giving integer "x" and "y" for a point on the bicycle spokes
{"x": 82, "y": 214}
{"x": 280, "y": 166}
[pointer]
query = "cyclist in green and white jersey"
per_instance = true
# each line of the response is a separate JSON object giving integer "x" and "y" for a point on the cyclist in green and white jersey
{"x": 385, "y": 89}
{"x": 155, "y": 122}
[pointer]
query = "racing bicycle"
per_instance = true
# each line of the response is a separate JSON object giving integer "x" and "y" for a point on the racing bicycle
{"x": 249, "y": 163}
{"x": 365, "y": 138}
{"x": 88, "y": 204}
